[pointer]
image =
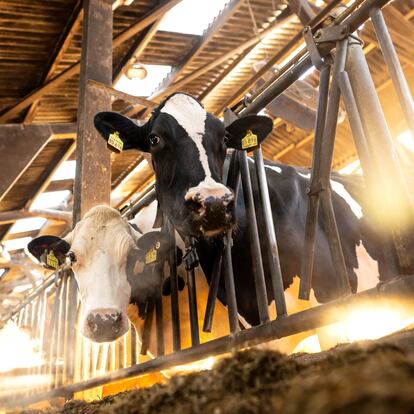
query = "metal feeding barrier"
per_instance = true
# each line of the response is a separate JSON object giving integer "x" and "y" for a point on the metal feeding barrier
{"x": 52, "y": 310}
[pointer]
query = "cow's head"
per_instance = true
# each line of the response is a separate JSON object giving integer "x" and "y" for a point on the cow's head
{"x": 98, "y": 249}
{"x": 187, "y": 147}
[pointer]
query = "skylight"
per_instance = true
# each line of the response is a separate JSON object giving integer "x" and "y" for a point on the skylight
{"x": 191, "y": 16}
{"x": 407, "y": 140}
{"x": 50, "y": 199}
{"x": 65, "y": 171}
{"x": 29, "y": 224}
{"x": 16, "y": 244}
{"x": 144, "y": 87}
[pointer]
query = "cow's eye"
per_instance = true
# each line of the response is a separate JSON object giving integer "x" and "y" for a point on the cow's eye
{"x": 72, "y": 257}
{"x": 154, "y": 140}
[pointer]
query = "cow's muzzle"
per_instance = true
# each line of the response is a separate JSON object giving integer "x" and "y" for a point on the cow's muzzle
{"x": 212, "y": 214}
{"x": 105, "y": 325}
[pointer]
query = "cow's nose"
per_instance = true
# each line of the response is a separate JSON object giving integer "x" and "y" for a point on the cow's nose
{"x": 213, "y": 205}
{"x": 105, "y": 326}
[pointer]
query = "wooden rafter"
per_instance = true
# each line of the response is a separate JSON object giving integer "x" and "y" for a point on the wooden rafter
{"x": 223, "y": 76}
{"x": 60, "y": 48}
{"x": 232, "y": 7}
{"x": 135, "y": 51}
{"x": 36, "y": 94}
{"x": 233, "y": 54}
{"x": 295, "y": 40}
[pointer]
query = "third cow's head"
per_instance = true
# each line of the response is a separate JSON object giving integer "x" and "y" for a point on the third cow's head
{"x": 187, "y": 147}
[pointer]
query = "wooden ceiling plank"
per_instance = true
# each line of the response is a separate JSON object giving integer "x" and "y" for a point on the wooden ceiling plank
{"x": 72, "y": 25}
{"x": 228, "y": 70}
{"x": 37, "y": 93}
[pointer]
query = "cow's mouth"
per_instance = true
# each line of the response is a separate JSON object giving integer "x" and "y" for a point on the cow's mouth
{"x": 212, "y": 225}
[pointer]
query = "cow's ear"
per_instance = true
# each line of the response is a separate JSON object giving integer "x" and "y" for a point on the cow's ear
{"x": 121, "y": 133}
{"x": 156, "y": 245}
{"x": 248, "y": 133}
{"x": 50, "y": 251}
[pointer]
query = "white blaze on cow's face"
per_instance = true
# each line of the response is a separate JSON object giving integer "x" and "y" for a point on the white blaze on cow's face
{"x": 101, "y": 242}
{"x": 191, "y": 116}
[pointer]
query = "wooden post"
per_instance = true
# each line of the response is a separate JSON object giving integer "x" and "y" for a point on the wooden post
{"x": 93, "y": 175}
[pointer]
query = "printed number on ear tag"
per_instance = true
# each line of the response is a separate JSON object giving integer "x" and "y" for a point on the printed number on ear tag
{"x": 151, "y": 256}
{"x": 51, "y": 260}
{"x": 250, "y": 140}
{"x": 115, "y": 142}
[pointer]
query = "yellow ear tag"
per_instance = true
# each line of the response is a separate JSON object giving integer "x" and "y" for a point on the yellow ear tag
{"x": 115, "y": 142}
{"x": 51, "y": 260}
{"x": 151, "y": 256}
{"x": 250, "y": 140}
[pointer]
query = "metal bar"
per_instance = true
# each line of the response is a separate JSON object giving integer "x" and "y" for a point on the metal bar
{"x": 313, "y": 201}
{"x": 212, "y": 293}
{"x": 55, "y": 333}
{"x": 146, "y": 330}
{"x": 70, "y": 344}
{"x": 229, "y": 283}
{"x": 356, "y": 126}
{"x": 136, "y": 205}
{"x": 133, "y": 344}
{"x": 256, "y": 255}
{"x": 390, "y": 190}
{"x": 394, "y": 66}
{"x": 51, "y": 332}
{"x": 159, "y": 326}
{"x": 272, "y": 251}
{"x": 328, "y": 142}
{"x": 48, "y": 282}
{"x": 282, "y": 83}
{"x": 61, "y": 333}
{"x": 279, "y": 55}
{"x": 41, "y": 327}
{"x": 313, "y": 318}
{"x": 291, "y": 72}
{"x": 192, "y": 304}
{"x": 175, "y": 310}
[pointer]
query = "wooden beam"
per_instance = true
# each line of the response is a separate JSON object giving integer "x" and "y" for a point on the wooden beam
{"x": 303, "y": 10}
{"x": 231, "y": 8}
{"x": 308, "y": 138}
{"x": 115, "y": 94}
{"x": 7, "y": 217}
{"x": 73, "y": 70}
{"x": 19, "y": 146}
{"x": 223, "y": 76}
{"x": 60, "y": 48}
{"x": 149, "y": 18}
{"x": 222, "y": 59}
{"x": 48, "y": 173}
{"x": 135, "y": 51}
{"x": 93, "y": 168}
{"x": 293, "y": 42}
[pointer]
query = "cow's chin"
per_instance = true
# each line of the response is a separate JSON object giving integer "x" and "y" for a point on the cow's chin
{"x": 213, "y": 228}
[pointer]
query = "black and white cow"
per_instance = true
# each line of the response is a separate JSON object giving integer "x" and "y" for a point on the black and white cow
{"x": 188, "y": 148}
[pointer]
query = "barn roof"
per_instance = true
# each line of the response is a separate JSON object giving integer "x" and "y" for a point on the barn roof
{"x": 40, "y": 50}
